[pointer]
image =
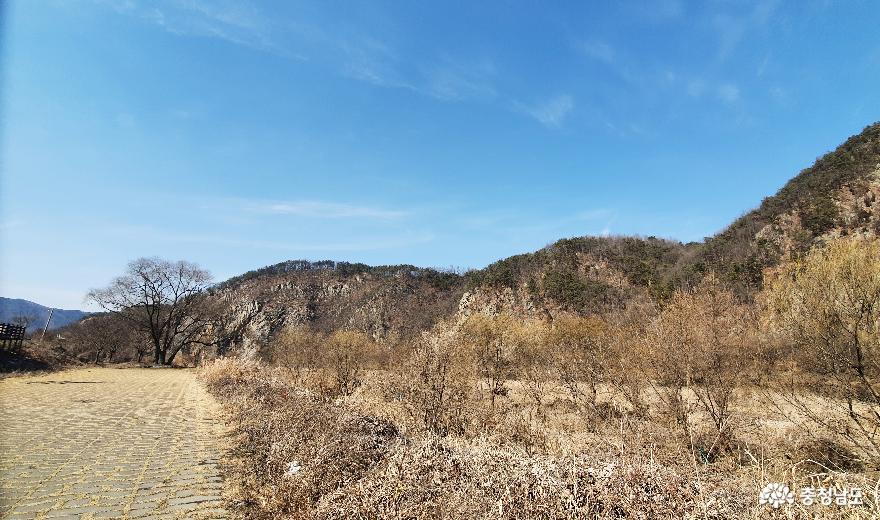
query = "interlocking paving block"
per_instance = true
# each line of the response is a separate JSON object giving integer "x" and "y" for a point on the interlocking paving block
{"x": 110, "y": 443}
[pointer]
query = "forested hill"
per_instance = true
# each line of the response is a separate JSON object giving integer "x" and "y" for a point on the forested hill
{"x": 837, "y": 195}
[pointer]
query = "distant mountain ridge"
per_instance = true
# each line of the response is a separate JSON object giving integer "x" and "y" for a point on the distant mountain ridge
{"x": 11, "y": 308}
{"x": 838, "y": 195}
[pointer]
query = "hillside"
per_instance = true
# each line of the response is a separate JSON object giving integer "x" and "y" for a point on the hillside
{"x": 583, "y": 275}
{"x": 386, "y": 302}
{"x": 11, "y": 308}
{"x": 836, "y": 196}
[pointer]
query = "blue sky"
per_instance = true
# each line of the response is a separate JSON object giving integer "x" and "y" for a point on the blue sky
{"x": 238, "y": 134}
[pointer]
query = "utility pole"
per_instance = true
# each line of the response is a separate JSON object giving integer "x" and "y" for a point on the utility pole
{"x": 43, "y": 336}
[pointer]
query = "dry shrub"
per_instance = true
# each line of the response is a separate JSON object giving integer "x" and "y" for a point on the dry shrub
{"x": 533, "y": 360}
{"x": 520, "y": 431}
{"x": 347, "y": 354}
{"x": 293, "y": 447}
{"x": 702, "y": 345}
{"x": 333, "y": 365}
{"x": 438, "y": 479}
{"x": 822, "y": 454}
{"x": 223, "y": 375}
{"x": 434, "y": 383}
{"x": 298, "y": 350}
{"x": 492, "y": 343}
{"x": 827, "y": 307}
{"x": 578, "y": 347}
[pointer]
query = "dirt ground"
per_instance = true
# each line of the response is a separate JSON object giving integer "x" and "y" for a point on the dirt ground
{"x": 109, "y": 443}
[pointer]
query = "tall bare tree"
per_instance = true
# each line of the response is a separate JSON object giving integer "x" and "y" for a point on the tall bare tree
{"x": 163, "y": 299}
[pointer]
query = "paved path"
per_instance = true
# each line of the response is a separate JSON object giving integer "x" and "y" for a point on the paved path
{"x": 109, "y": 443}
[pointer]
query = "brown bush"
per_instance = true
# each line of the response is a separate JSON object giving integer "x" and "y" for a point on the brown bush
{"x": 434, "y": 382}
{"x": 491, "y": 342}
{"x": 827, "y": 307}
{"x": 346, "y": 355}
{"x": 701, "y": 344}
{"x": 293, "y": 447}
{"x": 299, "y": 350}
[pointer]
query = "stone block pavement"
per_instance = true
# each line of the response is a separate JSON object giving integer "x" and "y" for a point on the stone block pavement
{"x": 110, "y": 443}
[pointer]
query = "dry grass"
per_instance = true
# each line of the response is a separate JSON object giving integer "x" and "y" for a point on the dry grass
{"x": 367, "y": 456}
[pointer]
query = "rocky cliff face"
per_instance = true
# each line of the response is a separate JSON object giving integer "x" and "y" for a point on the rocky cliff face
{"x": 386, "y": 307}
{"x": 854, "y": 210}
{"x": 584, "y": 277}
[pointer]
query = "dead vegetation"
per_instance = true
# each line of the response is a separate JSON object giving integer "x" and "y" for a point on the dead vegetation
{"x": 683, "y": 410}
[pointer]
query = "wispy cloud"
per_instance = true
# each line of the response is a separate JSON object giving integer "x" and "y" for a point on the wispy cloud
{"x": 728, "y": 93}
{"x": 732, "y": 28}
{"x": 238, "y": 22}
{"x": 451, "y": 79}
{"x": 9, "y": 225}
{"x": 597, "y": 50}
{"x": 357, "y": 55}
{"x": 316, "y": 209}
{"x": 695, "y": 87}
{"x": 551, "y": 112}
{"x": 368, "y": 59}
{"x": 367, "y": 243}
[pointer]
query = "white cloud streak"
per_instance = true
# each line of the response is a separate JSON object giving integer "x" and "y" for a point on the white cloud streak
{"x": 328, "y": 210}
{"x": 551, "y": 112}
{"x": 728, "y": 93}
{"x": 370, "y": 243}
{"x": 597, "y": 50}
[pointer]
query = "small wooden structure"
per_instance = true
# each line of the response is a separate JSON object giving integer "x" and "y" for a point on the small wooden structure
{"x": 11, "y": 336}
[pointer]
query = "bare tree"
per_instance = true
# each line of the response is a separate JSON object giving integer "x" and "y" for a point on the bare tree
{"x": 488, "y": 339}
{"x": 163, "y": 299}
{"x": 24, "y": 321}
{"x": 827, "y": 305}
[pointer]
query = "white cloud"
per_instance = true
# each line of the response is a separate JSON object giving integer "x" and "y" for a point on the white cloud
{"x": 320, "y": 209}
{"x": 147, "y": 234}
{"x": 696, "y": 87}
{"x": 457, "y": 80}
{"x": 597, "y": 50}
{"x": 238, "y": 22}
{"x": 8, "y": 225}
{"x": 728, "y": 92}
{"x": 732, "y": 28}
{"x": 552, "y": 112}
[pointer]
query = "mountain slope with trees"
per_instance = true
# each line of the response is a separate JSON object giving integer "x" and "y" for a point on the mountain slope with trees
{"x": 582, "y": 275}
